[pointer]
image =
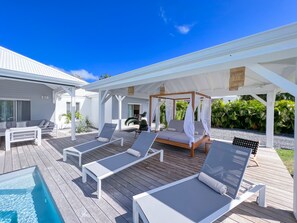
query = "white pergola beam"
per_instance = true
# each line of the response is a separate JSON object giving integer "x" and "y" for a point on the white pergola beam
{"x": 259, "y": 99}
{"x": 103, "y": 97}
{"x": 274, "y": 78}
{"x": 107, "y": 98}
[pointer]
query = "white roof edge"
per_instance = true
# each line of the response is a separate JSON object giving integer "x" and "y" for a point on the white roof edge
{"x": 38, "y": 78}
{"x": 76, "y": 81}
{"x": 264, "y": 38}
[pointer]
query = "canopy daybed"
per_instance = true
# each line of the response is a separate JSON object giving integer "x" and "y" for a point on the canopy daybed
{"x": 187, "y": 133}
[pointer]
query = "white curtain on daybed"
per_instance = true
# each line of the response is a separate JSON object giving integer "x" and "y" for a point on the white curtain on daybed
{"x": 169, "y": 110}
{"x": 154, "y": 106}
{"x": 189, "y": 127}
{"x": 206, "y": 115}
{"x": 197, "y": 105}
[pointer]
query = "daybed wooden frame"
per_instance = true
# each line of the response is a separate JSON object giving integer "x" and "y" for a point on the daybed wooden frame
{"x": 173, "y": 143}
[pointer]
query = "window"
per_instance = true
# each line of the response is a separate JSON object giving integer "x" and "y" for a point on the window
{"x": 133, "y": 110}
{"x": 68, "y": 107}
{"x": 15, "y": 110}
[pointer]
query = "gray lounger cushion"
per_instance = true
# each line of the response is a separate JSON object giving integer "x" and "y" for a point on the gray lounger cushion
{"x": 185, "y": 199}
{"x": 111, "y": 163}
{"x": 88, "y": 146}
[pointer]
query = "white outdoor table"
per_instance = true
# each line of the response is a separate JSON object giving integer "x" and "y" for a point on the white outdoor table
{"x": 22, "y": 134}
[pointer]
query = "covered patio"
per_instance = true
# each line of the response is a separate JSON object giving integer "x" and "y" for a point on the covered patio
{"x": 29, "y": 89}
{"x": 78, "y": 202}
{"x": 268, "y": 61}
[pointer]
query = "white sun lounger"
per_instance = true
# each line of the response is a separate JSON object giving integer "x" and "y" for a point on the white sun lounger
{"x": 108, "y": 166}
{"x": 106, "y": 133}
{"x": 191, "y": 200}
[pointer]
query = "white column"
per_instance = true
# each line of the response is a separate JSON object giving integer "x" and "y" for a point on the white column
{"x": 120, "y": 100}
{"x": 295, "y": 154}
{"x": 270, "y": 119}
{"x": 72, "y": 113}
{"x": 101, "y": 110}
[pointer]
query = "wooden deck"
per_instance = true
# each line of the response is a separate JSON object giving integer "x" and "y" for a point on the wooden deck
{"x": 78, "y": 203}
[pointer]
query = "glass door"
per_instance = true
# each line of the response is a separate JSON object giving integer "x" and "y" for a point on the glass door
{"x": 15, "y": 110}
{"x": 7, "y": 110}
{"x": 133, "y": 110}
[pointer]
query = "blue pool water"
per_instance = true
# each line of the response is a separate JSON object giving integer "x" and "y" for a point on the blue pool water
{"x": 24, "y": 198}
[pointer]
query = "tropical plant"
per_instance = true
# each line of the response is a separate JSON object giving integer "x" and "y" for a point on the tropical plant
{"x": 143, "y": 126}
{"x": 278, "y": 97}
{"x": 104, "y": 76}
{"x": 88, "y": 122}
{"x": 82, "y": 126}
{"x": 78, "y": 116}
{"x": 181, "y": 107}
{"x": 135, "y": 120}
{"x": 251, "y": 114}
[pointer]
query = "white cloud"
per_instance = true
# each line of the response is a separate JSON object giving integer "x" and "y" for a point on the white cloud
{"x": 184, "y": 29}
{"x": 163, "y": 15}
{"x": 84, "y": 74}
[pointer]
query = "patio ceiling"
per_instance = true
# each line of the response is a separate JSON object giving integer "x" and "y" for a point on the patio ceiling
{"x": 207, "y": 71}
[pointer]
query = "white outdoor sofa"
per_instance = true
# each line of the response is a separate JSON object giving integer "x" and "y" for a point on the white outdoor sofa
{"x": 32, "y": 133}
{"x": 203, "y": 197}
{"x": 45, "y": 125}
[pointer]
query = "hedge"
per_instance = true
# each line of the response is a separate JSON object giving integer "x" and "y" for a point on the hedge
{"x": 243, "y": 114}
{"x": 252, "y": 115}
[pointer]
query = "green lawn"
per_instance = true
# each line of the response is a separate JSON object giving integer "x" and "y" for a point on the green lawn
{"x": 287, "y": 157}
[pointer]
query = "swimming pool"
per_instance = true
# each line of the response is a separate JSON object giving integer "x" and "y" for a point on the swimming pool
{"x": 25, "y": 198}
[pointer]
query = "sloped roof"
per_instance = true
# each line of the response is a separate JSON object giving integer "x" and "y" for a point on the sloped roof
{"x": 207, "y": 70}
{"x": 16, "y": 66}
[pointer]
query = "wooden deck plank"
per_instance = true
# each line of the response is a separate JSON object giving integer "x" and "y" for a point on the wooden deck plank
{"x": 15, "y": 157}
{"x": 80, "y": 210}
{"x": 97, "y": 214}
{"x": 78, "y": 203}
{"x": 65, "y": 209}
{"x": 103, "y": 205}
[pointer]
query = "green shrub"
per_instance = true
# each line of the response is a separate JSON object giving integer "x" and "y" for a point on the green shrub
{"x": 252, "y": 115}
{"x": 181, "y": 108}
{"x": 78, "y": 116}
{"x": 284, "y": 116}
{"x": 243, "y": 114}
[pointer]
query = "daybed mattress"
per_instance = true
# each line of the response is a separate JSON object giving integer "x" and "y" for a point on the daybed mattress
{"x": 177, "y": 137}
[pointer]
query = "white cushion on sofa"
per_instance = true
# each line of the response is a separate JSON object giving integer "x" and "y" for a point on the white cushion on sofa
{"x": 21, "y": 124}
{"x": 41, "y": 124}
{"x": 2, "y": 125}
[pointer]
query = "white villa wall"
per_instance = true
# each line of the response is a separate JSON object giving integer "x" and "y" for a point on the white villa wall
{"x": 41, "y": 97}
{"x": 89, "y": 107}
{"x": 61, "y": 108}
{"x": 94, "y": 110}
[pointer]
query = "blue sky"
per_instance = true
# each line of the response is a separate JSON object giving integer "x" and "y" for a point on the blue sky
{"x": 91, "y": 38}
